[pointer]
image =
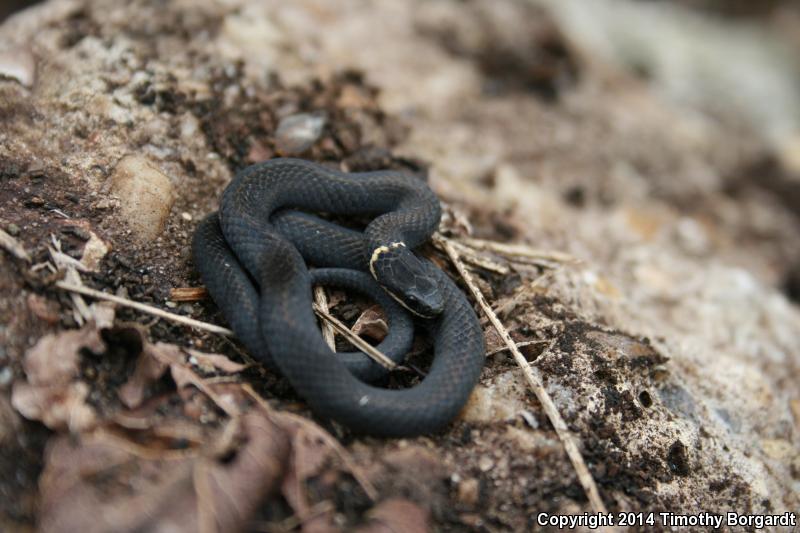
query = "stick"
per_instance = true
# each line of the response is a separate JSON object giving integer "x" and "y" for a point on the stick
{"x": 191, "y": 322}
{"x": 535, "y": 382}
{"x": 188, "y": 294}
{"x": 469, "y": 256}
{"x": 518, "y": 250}
{"x": 519, "y": 345}
{"x": 355, "y": 340}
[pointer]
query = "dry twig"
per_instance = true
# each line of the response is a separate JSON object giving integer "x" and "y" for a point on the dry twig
{"x": 355, "y": 340}
{"x": 188, "y": 294}
{"x": 516, "y": 250}
{"x": 469, "y": 256}
{"x": 535, "y": 382}
{"x": 519, "y": 345}
{"x": 186, "y": 321}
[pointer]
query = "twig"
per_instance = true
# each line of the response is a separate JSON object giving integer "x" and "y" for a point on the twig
{"x": 321, "y": 300}
{"x": 535, "y": 382}
{"x": 355, "y": 340}
{"x": 519, "y": 345}
{"x": 86, "y": 291}
{"x": 469, "y": 256}
{"x": 517, "y": 250}
{"x": 188, "y": 294}
{"x": 13, "y": 246}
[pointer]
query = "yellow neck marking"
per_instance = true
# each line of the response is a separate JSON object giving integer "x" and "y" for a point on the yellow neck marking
{"x": 380, "y": 250}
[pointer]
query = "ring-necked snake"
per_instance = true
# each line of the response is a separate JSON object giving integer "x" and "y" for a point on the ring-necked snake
{"x": 252, "y": 257}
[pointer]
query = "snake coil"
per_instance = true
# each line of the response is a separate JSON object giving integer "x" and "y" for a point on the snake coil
{"x": 252, "y": 257}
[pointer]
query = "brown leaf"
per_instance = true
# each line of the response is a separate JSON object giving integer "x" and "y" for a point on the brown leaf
{"x": 53, "y": 392}
{"x": 148, "y": 370}
{"x": 155, "y": 359}
{"x": 210, "y": 362}
{"x": 310, "y": 452}
{"x": 99, "y": 484}
{"x": 56, "y": 359}
{"x": 57, "y": 407}
{"x": 396, "y": 515}
{"x": 44, "y": 309}
{"x": 371, "y": 323}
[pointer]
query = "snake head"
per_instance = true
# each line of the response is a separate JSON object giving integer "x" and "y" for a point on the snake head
{"x": 407, "y": 279}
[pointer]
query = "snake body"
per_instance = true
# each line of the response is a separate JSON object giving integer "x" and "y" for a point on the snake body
{"x": 252, "y": 257}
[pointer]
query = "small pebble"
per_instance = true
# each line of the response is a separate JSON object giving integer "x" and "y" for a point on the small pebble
{"x": 485, "y": 463}
{"x": 469, "y": 491}
{"x": 13, "y": 229}
{"x": 171, "y": 305}
{"x": 297, "y": 133}
{"x": 186, "y": 216}
{"x": 145, "y": 193}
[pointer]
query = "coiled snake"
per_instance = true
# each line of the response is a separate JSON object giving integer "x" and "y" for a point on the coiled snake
{"x": 252, "y": 257}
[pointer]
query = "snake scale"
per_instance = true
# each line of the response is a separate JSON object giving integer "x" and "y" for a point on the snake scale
{"x": 252, "y": 256}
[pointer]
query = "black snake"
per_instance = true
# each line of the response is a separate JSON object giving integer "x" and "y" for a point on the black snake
{"x": 252, "y": 257}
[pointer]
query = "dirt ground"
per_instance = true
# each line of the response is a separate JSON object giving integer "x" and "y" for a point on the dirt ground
{"x": 654, "y": 290}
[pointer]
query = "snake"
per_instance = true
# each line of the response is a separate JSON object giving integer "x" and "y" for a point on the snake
{"x": 263, "y": 251}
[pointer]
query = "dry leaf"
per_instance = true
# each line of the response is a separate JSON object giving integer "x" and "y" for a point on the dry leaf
{"x": 53, "y": 392}
{"x": 309, "y": 454}
{"x": 43, "y": 308}
{"x": 98, "y": 484}
{"x": 148, "y": 370}
{"x": 210, "y": 362}
{"x": 155, "y": 359}
{"x": 396, "y": 515}
{"x": 372, "y": 323}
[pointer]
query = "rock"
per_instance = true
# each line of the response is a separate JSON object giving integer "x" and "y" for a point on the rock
{"x": 145, "y": 195}
{"x": 485, "y": 463}
{"x": 18, "y": 64}
{"x": 502, "y": 399}
{"x": 296, "y": 133}
{"x": 469, "y": 491}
